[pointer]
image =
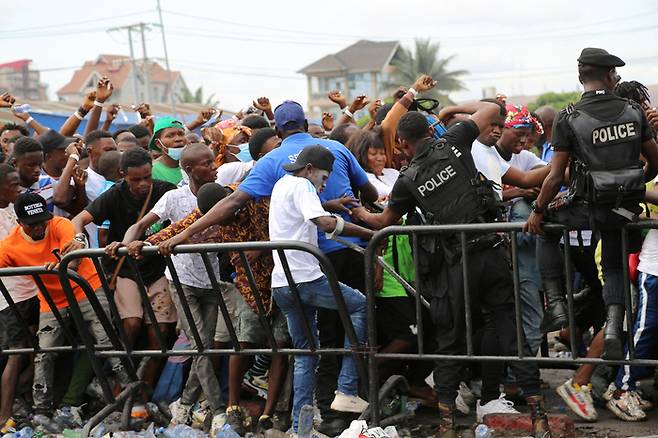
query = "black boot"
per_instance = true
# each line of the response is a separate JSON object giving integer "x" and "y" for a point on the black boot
{"x": 613, "y": 333}
{"x": 447, "y": 421}
{"x": 555, "y": 315}
{"x": 538, "y": 415}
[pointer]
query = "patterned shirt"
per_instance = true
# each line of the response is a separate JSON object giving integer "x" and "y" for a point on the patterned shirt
{"x": 250, "y": 225}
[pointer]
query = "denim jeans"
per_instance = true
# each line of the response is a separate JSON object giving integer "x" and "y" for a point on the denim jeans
{"x": 318, "y": 294}
{"x": 532, "y": 305}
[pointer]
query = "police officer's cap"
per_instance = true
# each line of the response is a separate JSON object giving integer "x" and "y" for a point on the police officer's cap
{"x": 599, "y": 57}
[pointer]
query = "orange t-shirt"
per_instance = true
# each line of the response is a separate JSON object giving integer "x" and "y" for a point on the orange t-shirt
{"x": 17, "y": 249}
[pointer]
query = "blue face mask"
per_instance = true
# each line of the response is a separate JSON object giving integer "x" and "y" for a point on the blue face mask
{"x": 175, "y": 153}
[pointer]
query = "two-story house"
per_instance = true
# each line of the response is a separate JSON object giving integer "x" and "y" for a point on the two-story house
{"x": 361, "y": 68}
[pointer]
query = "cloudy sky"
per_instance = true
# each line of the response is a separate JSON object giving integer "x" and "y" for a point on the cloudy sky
{"x": 241, "y": 50}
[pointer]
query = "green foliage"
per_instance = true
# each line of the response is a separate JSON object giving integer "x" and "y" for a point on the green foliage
{"x": 425, "y": 60}
{"x": 556, "y": 100}
{"x": 186, "y": 96}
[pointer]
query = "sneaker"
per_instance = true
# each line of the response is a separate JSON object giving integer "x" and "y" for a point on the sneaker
{"x": 645, "y": 405}
{"x": 69, "y": 417}
{"x": 218, "y": 421}
{"x": 626, "y": 407}
{"x": 498, "y": 406}
{"x": 139, "y": 412}
{"x": 235, "y": 419}
{"x": 180, "y": 413}
{"x": 607, "y": 395}
{"x": 579, "y": 399}
{"x": 255, "y": 384}
{"x": 461, "y": 405}
{"x": 348, "y": 403}
{"x": 466, "y": 394}
{"x": 265, "y": 423}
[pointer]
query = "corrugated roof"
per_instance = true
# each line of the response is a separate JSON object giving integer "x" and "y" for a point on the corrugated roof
{"x": 361, "y": 56}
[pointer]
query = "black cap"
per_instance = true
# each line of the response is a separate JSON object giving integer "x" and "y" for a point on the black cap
{"x": 52, "y": 140}
{"x": 317, "y": 156}
{"x": 31, "y": 209}
{"x": 208, "y": 195}
{"x": 599, "y": 57}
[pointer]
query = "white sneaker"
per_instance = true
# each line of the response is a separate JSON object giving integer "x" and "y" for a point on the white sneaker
{"x": 348, "y": 403}
{"x": 461, "y": 405}
{"x": 218, "y": 421}
{"x": 607, "y": 395}
{"x": 626, "y": 407}
{"x": 579, "y": 399}
{"x": 466, "y": 393}
{"x": 180, "y": 413}
{"x": 498, "y": 406}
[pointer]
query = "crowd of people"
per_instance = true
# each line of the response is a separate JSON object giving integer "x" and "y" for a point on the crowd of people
{"x": 269, "y": 174}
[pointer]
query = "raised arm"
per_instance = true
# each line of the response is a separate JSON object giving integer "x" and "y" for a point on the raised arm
{"x": 201, "y": 118}
{"x": 104, "y": 90}
{"x": 482, "y": 113}
{"x": 29, "y": 121}
{"x": 71, "y": 124}
{"x": 110, "y": 114}
{"x": 358, "y": 103}
{"x": 263, "y": 104}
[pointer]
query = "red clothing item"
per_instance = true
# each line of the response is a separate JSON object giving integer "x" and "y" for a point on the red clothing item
{"x": 18, "y": 249}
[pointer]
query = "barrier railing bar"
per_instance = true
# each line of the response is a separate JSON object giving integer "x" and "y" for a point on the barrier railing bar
{"x": 53, "y": 308}
{"x": 517, "y": 295}
{"x": 114, "y": 311}
{"x": 568, "y": 279}
{"x": 467, "y": 295}
{"x": 373, "y": 369}
{"x": 419, "y": 309}
{"x": 262, "y": 318}
{"x": 630, "y": 317}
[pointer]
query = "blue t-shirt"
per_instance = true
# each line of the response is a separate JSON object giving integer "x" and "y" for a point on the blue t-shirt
{"x": 346, "y": 173}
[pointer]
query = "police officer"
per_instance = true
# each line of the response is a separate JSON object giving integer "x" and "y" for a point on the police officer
{"x": 443, "y": 183}
{"x": 600, "y": 138}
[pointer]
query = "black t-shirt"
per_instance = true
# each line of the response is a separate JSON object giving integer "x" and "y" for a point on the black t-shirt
{"x": 462, "y": 135}
{"x": 119, "y": 206}
{"x": 605, "y": 105}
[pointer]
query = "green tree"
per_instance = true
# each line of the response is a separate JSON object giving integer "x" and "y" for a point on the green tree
{"x": 425, "y": 60}
{"x": 555, "y": 100}
{"x": 186, "y": 96}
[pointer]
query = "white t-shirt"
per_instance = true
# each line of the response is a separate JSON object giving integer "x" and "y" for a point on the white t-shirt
{"x": 384, "y": 183}
{"x": 20, "y": 288}
{"x": 173, "y": 206}
{"x": 649, "y": 254}
{"x": 93, "y": 187}
{"x": 293, "y": 204}
{"x": 490, "y": 163}
{"x": 230, "y": 173}
{"x": 525, "y": 161}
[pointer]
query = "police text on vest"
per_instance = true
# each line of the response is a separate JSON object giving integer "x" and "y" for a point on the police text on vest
{"x": 436, "y": 181}
{"x": 614, "y": 132}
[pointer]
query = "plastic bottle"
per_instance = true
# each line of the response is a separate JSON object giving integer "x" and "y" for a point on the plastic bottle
{"x": 391, "y": 432}
{"x": 227, "y": 432}
{"x": 99, "y": 430}
{"x": 47, "y": 423}
{"x": 305, "y": 423}
{"x": 482, "y": 431}
{"x": 25, "y": 108}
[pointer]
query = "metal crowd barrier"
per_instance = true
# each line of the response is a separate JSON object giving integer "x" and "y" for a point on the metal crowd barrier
{"x": 129, "y": 357}
{"x": 463, "y": 231}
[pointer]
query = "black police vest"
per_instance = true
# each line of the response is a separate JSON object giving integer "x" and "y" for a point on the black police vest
{"x": 447, "y": 186}
{"x": 607, "y": 157}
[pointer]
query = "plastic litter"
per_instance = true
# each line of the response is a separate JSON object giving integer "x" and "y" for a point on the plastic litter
{"x": 227, "y": 432}
{"x": 305, "y": 423}
{"x": 482, "y": 431}
{"x": 355, "y": 429}
{"x": 391, "y": 432}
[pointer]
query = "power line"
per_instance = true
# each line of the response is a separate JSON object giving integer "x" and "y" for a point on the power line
{"x": 74, "y": 23}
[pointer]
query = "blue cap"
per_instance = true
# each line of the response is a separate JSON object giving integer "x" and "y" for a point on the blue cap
{"x": 289, "y": 116}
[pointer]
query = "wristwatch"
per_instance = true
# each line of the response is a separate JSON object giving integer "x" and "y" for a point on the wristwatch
{"x": 82, "y": 238}
{"x": 536, "y": 208}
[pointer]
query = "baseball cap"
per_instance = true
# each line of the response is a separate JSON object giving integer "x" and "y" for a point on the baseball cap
{"x": 163, "y": 123}
{"x": 52, "y": 140}
{"x": 31, "y": 209}
{"x": 317, "y": 156}
{"x": 289, "y": 115}
{"x": 599, "y": 57}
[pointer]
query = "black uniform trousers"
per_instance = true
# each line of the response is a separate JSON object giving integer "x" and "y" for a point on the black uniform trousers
{"x": 492, "y": 303}
{"x": 579, "y": 216}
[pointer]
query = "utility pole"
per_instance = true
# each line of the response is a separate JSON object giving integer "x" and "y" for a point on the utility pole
{"x": 145, "y": 67}
{"x": 133, "y": 70}
{"x": 172, "y": 98}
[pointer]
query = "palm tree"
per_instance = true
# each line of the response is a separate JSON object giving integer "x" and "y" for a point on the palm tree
{"x": 425, "y": 60}
{"x": 186, "y": 96}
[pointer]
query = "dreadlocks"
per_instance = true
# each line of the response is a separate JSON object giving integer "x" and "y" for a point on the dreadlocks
{"x": 634, "y": 91}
